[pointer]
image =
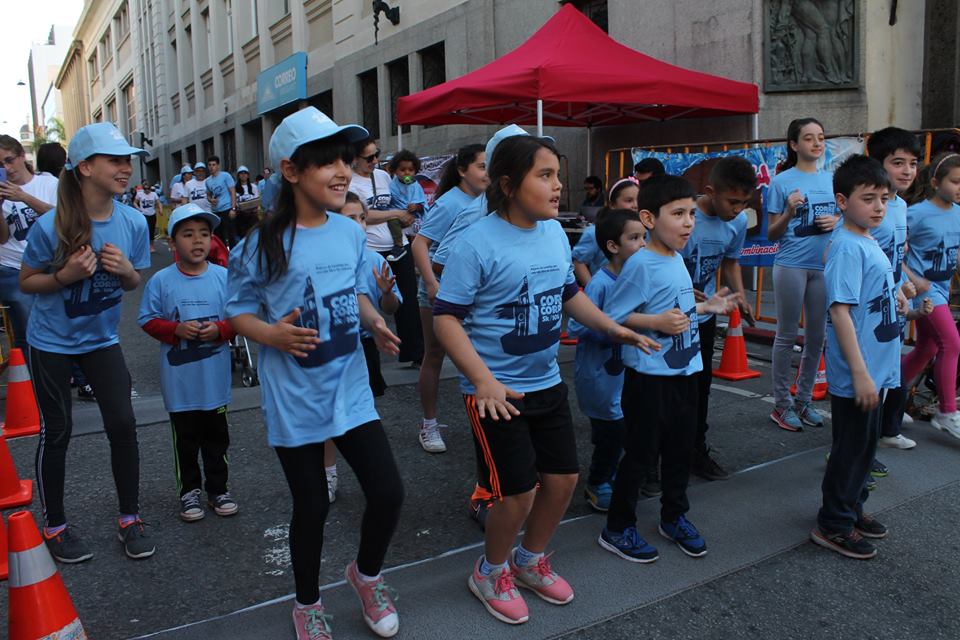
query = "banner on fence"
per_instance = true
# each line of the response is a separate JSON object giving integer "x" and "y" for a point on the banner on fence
{"x": 757, "y": 251}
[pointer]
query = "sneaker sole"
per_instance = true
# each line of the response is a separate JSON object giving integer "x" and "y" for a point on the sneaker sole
{"x": 818, "y": 539}
{"x": 879, "y": 474}
{"x": 496, "y": 614}
{"x": 76, "y": 560}
{"x": 226, "y": 513}
{"x": 783, "y": 425}
{"x": 897, "y": 446}
{"x": 872, "y": 536}
{"x": 432, "y": 448}
{"x": 815, "y": 425}
{"x": 692, "y": 554}
{"x": 541, "y": 595}
{"x": 616, "y": 551}
{"x": 189, "y": 518}
{"x": 136, "y": 556}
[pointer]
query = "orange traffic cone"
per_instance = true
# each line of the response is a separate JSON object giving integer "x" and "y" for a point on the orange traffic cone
{"x": 40, "y": 606}
{"x": 14, "y": 492}
{"x": 3, "y": 551}
{"x": 733, "y": 362}
{"x": 819, "y": 383}
{"x": 23, "y": 417}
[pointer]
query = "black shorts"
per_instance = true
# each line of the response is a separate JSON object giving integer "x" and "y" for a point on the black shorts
{"x": 512, "y": 453}
{"x": 372, "y": 355}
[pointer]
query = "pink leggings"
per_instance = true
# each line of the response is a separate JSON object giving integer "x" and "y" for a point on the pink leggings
{"x": 936, "y": 336}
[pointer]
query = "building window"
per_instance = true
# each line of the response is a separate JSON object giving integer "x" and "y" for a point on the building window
{"x": 130, "y": 100}
{"x": 596, "y": 10}
{"x": 121, "y": 23}
{"x": 93, "y": 68}
{"x": 399, "y": 73}
{"x": 111, "y": 112}
{"x": 323, "y": 102}
{"x": 207, "y": 40}
{"x": 433, "y": 65}
{"x": 228, "y": 158}
{"x": 370, "y": 102}
{"x": 208, "y": 149}
{"x": 192, "y": 155}
{"x": 106, "y": 48}
{"x": 98, "y": 116}
{"x": 177, "y": 157}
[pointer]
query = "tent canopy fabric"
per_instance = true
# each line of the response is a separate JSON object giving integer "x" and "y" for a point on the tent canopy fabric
{"x": 584, "y": 78}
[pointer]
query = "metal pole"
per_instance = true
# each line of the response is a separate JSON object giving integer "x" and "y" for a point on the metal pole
{"x": 539, "y": 118}
{"x": 399, "y": 137}
{"x": 589, "y": 151}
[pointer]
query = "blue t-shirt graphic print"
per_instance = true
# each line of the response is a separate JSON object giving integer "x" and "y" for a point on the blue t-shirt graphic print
{"x": 536, "y": 320}
{"x": 344, "y": 317}
{"x": 188, "y": 351}
{"x": 933, "y": 240}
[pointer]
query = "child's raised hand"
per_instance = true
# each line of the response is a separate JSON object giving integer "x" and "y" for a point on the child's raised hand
{"x": 699, "y": 296}
{"x": 927, "y": 307}
{"x": 908, "y": 290}
{"x": 209, "y": 332}
{"x": 82, "y": 264}
{"x": 794, "y": 200}
{"x": 386, "y": 340}
{"x": 287, "y": 337}
{"x": 114, "y": 261}
{"x": 722, "y": 302}
{"x": 492, "y": 397}
{"x": 384, "y": 278}
{"x": 623, "y": 335}
{"x": 188, "y": 330}
{"x": 865, "y": 391}
{"x": 826, "y": 223}
{"x": 672, "y": 322}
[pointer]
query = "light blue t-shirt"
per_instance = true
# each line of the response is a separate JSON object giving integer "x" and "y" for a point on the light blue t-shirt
{"x": 588, "y": 251}
{"x": 194, "y": 374}
{"x": 368, "y": 283}
{"x": 803, "y": 244}
{"x": 712, "y": 240}
{"x": 934, "y": 235}
{"x": 84, "y": 316}
{"x": 513, "y": 280}
{"x": 441, "y": 214}
{"x": 651, "y": 283}
{"x": 309, "y": 400}
{"x": 598, "y": 368}
{"x": 402, "y": 195}
{"x": 891, "y": 235}
{"x": 218, "y": 187}
{"x": 475, "y": 210}
{"x": 859, "y": 274}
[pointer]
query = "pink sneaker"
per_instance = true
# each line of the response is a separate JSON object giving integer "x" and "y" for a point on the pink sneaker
{"x": 311, "y": 623}
{"x": 543, "y": 580}
{"x": 499, "y": 595}
{"x": 376, "y": 599}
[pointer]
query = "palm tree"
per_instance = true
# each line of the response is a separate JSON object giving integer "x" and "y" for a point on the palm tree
{"x": 56, "y": 132}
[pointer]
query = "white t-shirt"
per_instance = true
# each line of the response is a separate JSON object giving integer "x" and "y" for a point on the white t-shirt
{"x": 21, "y": 217}
{"x": 244, "y": 195}
{"x": 197, "y": 193}
{"x": 178, "y": 192}
{"x": 147, "y": 203}
{"x": 378, "y": 235}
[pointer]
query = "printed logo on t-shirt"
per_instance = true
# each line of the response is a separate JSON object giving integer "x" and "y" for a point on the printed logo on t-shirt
{"x": 536, "y": 320}
{"x": 894, "y": 252}
{"x": 808, "y": 212}
{"x": 703, "y": 268}
{"x": 943, "y": 261}
{"x": 344, "y": 313}
{"x": 187, "y": 351}
{"x": 380, "y": 202}
{"x": 93, "y": 295}
{"x": 614, "y": 365}
{"x": 685, "y": 345}
{"x": 20, "y": 220}
{"x": 888, "y": 327}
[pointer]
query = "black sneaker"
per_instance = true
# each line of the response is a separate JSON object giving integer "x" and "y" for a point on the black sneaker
{"x": 851, "y": 545}
{"x": 870, "y": 527}
{"x": 190, "y": 508}
{"x": 708, "y": 468}
{"x": 878, "y": 469}
{"x": 478, "y": 512}
{"x": 85, "y": 393}
{"x": 136, "y": 542}
{"x": 223, "y": 504}
{"x": 651, "y": 485}
{"x": 871, "y": 483}
{"x": 67, "y": 547}
{"x": 396, "y": 253}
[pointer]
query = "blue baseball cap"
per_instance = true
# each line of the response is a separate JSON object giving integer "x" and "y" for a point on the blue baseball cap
{"x": 307, "y": 125}
{"x": 187, "y": 211}
{"x": 199, "y": 165}
{"x": 100, "y": 138}
{"x": 507, "y": 132}
{"x": 186, "y": 169}
{"x": 243, "y": 169}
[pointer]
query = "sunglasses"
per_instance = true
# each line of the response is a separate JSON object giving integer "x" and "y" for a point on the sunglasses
{"x": 373, "y": 156}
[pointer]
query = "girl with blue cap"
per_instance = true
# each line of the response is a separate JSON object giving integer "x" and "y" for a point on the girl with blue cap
{"x": 292, "y": 287}
{"x": 80, "y": 258}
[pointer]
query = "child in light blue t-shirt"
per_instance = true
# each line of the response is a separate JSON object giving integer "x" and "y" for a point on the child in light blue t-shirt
{"x": 405, "y": 194}
{"x": 293, "y": 287}
{"x": 598, "y": 366}
{"x": 183, "y": 308}
{"x": 863, "y": 356}
{"x": 588, "y": 258}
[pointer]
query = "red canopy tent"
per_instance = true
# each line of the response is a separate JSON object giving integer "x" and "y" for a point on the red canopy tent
{"x": 572, "y": 74}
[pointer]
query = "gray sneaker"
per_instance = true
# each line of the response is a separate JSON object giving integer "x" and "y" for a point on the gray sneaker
{"x": 136, "y": 543}
{"x": 67, "y": 547}
{"x": 808, "y": 415}
{"x": 786, "y": 418}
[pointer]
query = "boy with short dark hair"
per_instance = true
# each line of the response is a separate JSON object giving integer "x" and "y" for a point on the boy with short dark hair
{"x": 648, "y": 168}
{"x": 183, "y": 307}
{"x": 593, "y": 192}
{"x": 863, "y": 355}
{"x": 714, "y": 246}
{"x": 222, "y": 194}
{"x": 654, "y": 295}
{"x": 598, "y": 366}
{"x": 405, "y": 193}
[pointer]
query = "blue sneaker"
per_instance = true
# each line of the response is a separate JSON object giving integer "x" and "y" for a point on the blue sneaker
{"x": 786, "y": 418}
{"x": 598, "y": 496}
{"x": 685, "y": 535}
{"x": 629, "y": 545}
{"x": 808, "y": 415}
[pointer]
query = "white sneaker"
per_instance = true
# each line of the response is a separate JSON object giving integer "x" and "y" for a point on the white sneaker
{"x": 332, "y": 483}
{"x": 430, "y": 438}
{"x": 897, "y": 442}
{"x": 949, "y": 422}
{"x": 907, "y": 418}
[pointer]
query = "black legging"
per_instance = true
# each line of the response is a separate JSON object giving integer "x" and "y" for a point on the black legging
{"x": 151, "y": 227}
{"x": 107, "y": 374}
{"x": 407, "y": 316}
{"x": 224, "y": 230}
{"x": 367, "y": 451}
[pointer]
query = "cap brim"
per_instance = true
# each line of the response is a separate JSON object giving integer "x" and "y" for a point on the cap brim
{"x": 213, "y": 219}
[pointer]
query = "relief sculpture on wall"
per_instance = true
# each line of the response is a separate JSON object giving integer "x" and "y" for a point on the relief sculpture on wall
{"x": 810, "y": 45}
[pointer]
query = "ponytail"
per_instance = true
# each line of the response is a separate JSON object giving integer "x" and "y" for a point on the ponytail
{"x": 71, "y": 223}
{"x": 461, "y": 162}
{"x": 793, "y": 135}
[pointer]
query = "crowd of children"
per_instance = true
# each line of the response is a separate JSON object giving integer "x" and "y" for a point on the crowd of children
{"x": 311, "y": 281}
